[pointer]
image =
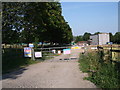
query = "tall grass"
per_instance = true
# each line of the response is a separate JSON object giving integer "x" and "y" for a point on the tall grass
{"x": 105, "y": 74}
{"x": 14, "y": 58}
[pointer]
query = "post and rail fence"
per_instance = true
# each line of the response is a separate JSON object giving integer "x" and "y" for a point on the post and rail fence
{"x": 110, "y": 51}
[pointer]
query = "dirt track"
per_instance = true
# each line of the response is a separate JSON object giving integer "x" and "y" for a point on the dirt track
{"x": 54, "y": 73}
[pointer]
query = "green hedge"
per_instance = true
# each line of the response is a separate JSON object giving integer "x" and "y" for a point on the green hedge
{"x": 105, "y": 74}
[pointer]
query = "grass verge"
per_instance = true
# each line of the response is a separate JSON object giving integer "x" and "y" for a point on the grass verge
{"x": 104, "y": 74}
{"x": 13, "y": 59}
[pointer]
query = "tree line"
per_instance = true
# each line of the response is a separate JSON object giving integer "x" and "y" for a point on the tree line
{"x": 27, "y": 22}
{"x": 113, "y": 38}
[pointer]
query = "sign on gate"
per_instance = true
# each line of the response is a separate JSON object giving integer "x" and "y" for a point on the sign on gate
{"x": 27, "y": 52}
{"x": 38, "y": 54}
{"x": 54, "y": 51}
{"x": 59, "y": 52}
{"x": 66, "y": 51}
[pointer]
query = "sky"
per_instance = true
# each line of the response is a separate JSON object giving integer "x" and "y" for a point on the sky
{"x": 91, "y": 16}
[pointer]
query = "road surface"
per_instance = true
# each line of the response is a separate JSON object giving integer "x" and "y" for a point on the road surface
{"x": 54, "y": 73}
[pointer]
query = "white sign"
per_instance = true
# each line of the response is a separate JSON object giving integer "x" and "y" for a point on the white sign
{"x": 93, "y": 47}
{"x": 53, "y": 51}
{"x": 27, "y": 52}
{"x": 66, "y": 51}
{"x": 59, "y": 52}
{"x": 31, "y": 45}
{"x": 38, "y": 54}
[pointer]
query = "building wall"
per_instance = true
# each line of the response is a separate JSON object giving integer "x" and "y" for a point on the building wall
{"x": 103, "y": 38}
{"x": 94, "y": 39}
{"x": 100, "y": 39}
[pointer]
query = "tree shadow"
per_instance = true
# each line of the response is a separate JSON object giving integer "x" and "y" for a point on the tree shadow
{"x": 14, "y": 74}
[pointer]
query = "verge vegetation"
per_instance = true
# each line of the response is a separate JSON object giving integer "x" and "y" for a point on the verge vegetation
{"x": 13, "y": 58}
{"x": 104, "y": 74}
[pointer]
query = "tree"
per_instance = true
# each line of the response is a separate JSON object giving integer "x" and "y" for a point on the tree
{"x": 86, "y": 36}
{"x": 96, "y": 33}
{"x": 111, "y": 37}
{"x": 31, "y": 22}
{"x": 79, "y": 38}
{"x": 117, "y": 38}
{"x": 11, "y": 21}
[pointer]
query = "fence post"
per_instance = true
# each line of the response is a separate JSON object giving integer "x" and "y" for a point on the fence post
{"x": 33, "y": 54}
{"x": 111, "y": 52}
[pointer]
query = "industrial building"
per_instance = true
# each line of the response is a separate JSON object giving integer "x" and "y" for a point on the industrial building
{"x": 100, "y": 39}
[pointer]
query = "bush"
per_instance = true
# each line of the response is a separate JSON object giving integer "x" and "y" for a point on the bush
{"x": 103, "y": 74}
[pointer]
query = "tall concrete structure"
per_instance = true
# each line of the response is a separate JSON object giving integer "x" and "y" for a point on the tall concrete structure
{"x": 100, "y": 39}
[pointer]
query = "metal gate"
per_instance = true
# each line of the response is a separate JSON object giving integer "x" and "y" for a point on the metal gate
{"x": 52, "y": 54}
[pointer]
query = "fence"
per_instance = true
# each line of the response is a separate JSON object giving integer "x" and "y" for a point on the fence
{"x": 111, "y": 52}
{"x": 14, "y": 57}
{"x": 50, "y": 52}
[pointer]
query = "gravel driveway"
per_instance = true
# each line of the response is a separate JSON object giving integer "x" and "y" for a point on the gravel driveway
{"x": 54, "y": 73}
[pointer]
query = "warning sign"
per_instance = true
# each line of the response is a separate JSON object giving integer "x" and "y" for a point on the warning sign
{"x": 38, "y": 54}
{"x": 27, "y": 52}
{"x": 66, "y": 51}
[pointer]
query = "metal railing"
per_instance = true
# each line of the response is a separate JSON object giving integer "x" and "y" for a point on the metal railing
{"x": 48, "y": 52}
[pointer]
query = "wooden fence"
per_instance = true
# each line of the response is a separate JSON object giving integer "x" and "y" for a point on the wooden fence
{"x": 110, "y": 51}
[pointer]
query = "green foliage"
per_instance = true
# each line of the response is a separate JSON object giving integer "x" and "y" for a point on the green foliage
{"x": 36, "y": 42}
{"x": 106, "y": 76}
{"x": 96, "y": 33}
{"x": 86, "y": 36}
{"x": 103, "y": 74}
{"x": 14, "y": 58}
{"x": 7, "y": 24}
{"x": 111, "y": 37}
{"x": 117, "y": 38}
{"x": 79, "y": 38}
{"x": 24, "y": 21}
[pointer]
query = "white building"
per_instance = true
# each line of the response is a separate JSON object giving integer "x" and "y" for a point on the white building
{"x": 100, "y": 39}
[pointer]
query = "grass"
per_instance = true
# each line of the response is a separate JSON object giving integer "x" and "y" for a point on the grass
{"x": 101, "y": 73}
{"x": 14, "y": 58}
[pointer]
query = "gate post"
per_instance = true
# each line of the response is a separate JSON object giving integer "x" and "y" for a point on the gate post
{"x": 33, "y": 54}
